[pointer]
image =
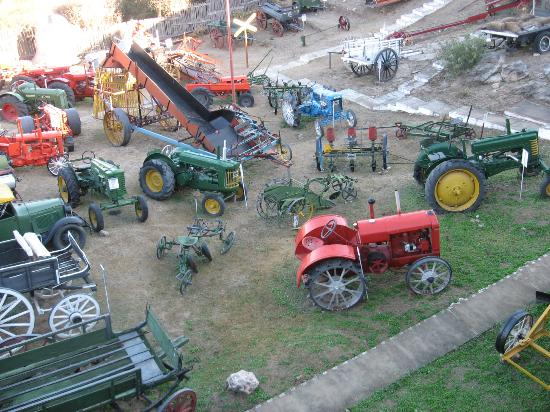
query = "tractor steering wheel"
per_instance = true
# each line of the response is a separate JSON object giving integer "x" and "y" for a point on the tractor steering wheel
{"x": 328, "y": 229}
{"x": 88, "y": 159}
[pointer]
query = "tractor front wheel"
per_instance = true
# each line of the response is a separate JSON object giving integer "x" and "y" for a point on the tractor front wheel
{"x": 11, "y": 108}
{"x": 455, "y": 186}
{"x": 203, "y": 95}
{"x": 336, "y": 284}
{"x": 67, "y": 89}
{"x": 96, "y": 217}
{"x": 545, "y": 186}
{"x": 213, "y": 204}
{"x": 67, "y": 184}
{"x": 290, "y": 109}
{"x": 428, "y": 276}
{"x": 141, "y": 209}
{"x": 157, "y": 179}
{"x": 117, "y": 127}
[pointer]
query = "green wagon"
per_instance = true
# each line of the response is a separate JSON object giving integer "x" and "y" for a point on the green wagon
{"x": 93, "y": 370}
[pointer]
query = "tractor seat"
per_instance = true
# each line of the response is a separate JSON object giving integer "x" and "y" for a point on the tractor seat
{"x": 81, "y": 168}
{"x": 187, "y": 240}
{"x": 311, "y": 243}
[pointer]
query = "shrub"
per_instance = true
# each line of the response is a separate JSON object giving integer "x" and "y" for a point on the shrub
{"x": 459, "y": 56}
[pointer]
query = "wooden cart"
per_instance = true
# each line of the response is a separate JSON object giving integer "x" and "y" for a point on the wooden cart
{"x": 95, "y": 369}
{"x": 373, "y": 55}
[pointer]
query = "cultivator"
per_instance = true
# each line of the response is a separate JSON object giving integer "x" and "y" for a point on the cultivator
{"x": 194, "y": 242}
{"x": 328, "y": 154}
{"x": 432, "y": 132}
{"x": 288, "y": 200}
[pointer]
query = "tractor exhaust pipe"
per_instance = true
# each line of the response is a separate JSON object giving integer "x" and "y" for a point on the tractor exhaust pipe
{"x": 371, "y": 207}
{"x": 398, "y": 202}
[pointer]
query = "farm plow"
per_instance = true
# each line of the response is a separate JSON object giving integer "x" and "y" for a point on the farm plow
{"x": 194, "y": 243}
{"x": 294, "y": 202}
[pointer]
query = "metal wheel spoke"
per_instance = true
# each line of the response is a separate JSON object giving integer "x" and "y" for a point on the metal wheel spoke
{"x": 344, "y": 271}
{"x": 350, "y": 281}
{"x": 320, "y": 295}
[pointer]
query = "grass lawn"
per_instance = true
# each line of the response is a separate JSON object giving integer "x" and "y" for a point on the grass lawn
{"x": 471, "y": 378}
{"x": 284, "y": 339}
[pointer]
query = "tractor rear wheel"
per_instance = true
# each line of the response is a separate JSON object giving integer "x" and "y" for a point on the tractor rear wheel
{"x": 67, "y": 183}
{"x": 67, "y": 89}
{"x": 117, "y": 127}
{"x": 545, "y": 186}
{"x": 336, "y": 284}
{"x": 213, "y": 204}
{"x": 429, "y": 275}
{"x": 60, "y": 239}
{"x": 27, "y": 124}
{"x": 203, "y": 95}
{"x": 291, "y": 112}
{"x": 455, "y": 186}
{"x": 157, "y": 179}
{"x": 96, "y": 217}
{"x": 12, "y": 108}
{"x": 141, "y": 209}
{"x": 73, "y": 119}
{"x": 246, "y": 100}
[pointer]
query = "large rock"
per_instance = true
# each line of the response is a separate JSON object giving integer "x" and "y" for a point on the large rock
{"x": 242, "y": 381}
{"x": 488, "y": 69}
{"x": 515, "y": 71}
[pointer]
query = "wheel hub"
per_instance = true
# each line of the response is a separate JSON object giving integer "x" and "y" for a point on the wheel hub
{"x": 336, "y": 286}
{"x": 75, "y": 318}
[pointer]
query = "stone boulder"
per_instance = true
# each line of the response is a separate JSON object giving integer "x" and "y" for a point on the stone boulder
{"x": 488, "y": 69}
{"x": 515, "y": 71}
{"x": 242, "y": 381}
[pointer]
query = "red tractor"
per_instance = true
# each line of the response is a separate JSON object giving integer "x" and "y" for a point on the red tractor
{"x": 76, "y": 85}
{"x": 335, "y": 257}
{"x": 35, "y": 148}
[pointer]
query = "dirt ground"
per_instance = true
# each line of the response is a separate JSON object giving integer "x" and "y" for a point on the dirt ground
{"x": 217, "y": 312}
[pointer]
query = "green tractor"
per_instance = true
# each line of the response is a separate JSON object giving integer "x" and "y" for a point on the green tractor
{"x": 455, "y": 177}
{"x": 218, "y": 179}
{"x": 99, "y": 176}
{"x": 50, "y": 218}
{"x": 25, "y": 99}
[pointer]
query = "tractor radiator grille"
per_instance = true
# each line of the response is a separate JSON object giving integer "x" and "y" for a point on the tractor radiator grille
{"x": 534, "y": 147}
{"x": 232, "y": 178}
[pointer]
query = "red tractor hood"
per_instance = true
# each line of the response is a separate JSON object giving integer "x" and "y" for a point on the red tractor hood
{"x": 380, "y": 229}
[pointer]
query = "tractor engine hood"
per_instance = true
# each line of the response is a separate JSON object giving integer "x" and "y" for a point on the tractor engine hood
{"x": 380, "y": 229}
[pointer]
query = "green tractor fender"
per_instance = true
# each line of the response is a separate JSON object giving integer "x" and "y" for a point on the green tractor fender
{"x": 430, "y": 157}
{"x": 68, "y": 220}
{"x": 14, "y": 94}
{"x": 157, "y": 155}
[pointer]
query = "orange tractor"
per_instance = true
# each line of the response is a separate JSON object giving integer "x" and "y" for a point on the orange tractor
{"x": 41, "y": 141}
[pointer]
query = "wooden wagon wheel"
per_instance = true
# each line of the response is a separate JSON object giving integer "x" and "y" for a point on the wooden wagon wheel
{"x": 277, "y": 28}
{"x": 184, "y": 400}
{"x": 343, "y": 23}
{"x": 360, "y": 69}
{"x": 16, "y": 314}
{"x": 217, "y": 38}
{"x": 261, "y": 19}
{"x": 71, "y": 311}
{"x": 386, "y": 64}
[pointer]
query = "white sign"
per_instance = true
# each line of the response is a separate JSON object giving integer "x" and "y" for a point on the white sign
{"x": 524, "y": 158}
{"x": 304, "y": 18}
{"x": 168, "y": 42}
{"x": 113, "y": 183}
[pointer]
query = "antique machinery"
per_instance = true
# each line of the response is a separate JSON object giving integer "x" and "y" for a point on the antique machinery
{"x": 335, "y": 257}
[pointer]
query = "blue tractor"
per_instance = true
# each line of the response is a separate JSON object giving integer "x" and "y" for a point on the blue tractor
{"x": 319, "y": 102}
